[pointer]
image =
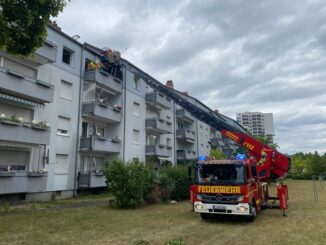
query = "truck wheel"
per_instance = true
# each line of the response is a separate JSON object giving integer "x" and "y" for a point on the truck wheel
{"x": 252, "y": 215}
{"x": 204, "y": 216}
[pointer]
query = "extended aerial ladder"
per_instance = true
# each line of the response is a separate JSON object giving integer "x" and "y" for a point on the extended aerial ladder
{"x": 271, "y": 163}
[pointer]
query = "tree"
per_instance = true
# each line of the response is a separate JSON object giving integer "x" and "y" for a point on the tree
{"x": 23, "y": 23}
{"x": 217, "y": 154}
{"x": 265, "y": 140}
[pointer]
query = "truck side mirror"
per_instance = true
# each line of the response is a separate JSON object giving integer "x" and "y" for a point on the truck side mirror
{"x": 253, "y": 181}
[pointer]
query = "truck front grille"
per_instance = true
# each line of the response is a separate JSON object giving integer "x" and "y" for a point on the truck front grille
{"x": 220, "y": 199}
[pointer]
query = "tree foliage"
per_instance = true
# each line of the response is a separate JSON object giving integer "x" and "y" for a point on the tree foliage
{"x": 305, "y": 165}
{"x": 23, "y": 23}
{"x": 265, "y": 140}
{"x": 217, "y": 154}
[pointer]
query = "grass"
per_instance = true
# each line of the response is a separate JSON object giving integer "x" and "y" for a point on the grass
{"x": 159, "y": 224}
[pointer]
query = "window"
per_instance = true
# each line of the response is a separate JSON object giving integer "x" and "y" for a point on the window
{"x": 135, "y": 136}
{"x": 151, "y": 139}
{"x": 66, "y": 90}
{"x": 14, "y": 159}
{"x": 63, "y": 125}
{"x": 135, "y": 159}
{"x": 136, "y": 109}
{"x": 67, "y": 56}
{"x": 136, "y": 82}
{"x": 61, "y": 163}
{"x": 100, "y": 131}
{"x": 168, "y": 141}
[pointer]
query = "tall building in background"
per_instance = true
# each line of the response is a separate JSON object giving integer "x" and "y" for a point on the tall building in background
{"x": 258, "y": 123}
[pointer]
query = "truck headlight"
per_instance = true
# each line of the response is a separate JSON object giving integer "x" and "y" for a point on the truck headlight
{"x": 242, "y": 209}
{"x": 199, "y": 206}
{"x": 240, "y": 198}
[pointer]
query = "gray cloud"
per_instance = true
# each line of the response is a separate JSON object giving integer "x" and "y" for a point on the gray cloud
{"x": 235, "y": 55}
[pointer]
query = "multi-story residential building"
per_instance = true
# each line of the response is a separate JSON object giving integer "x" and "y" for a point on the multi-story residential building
{"x": 39, "y": 113}
{"x": 62, "y": 115}
{"x": 258, "y": 123}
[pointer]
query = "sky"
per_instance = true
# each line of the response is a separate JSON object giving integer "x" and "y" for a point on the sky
{"x": 234, "y": 56}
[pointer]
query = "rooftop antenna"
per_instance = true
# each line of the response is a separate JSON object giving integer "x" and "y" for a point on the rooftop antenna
{"x": 76, "y": 37}
{"x": 125, "y": 50}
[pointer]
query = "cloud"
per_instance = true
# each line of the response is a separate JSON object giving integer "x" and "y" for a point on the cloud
{"x": 235, "y": 55}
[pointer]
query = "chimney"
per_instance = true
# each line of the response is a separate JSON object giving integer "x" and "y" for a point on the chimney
{"x": 185, "y": 93}
{"x": 216, "y": 111}
{"x": 169, "y": 83}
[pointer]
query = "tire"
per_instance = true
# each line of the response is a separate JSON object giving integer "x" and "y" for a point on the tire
{"x": 252, "y": 215}
{"x": 204, "y": 216}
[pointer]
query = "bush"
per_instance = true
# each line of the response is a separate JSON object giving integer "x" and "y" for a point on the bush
{"x": 133, "y": 183}
{"x": 179, "y": 176}
{"x": 126, "y": 182}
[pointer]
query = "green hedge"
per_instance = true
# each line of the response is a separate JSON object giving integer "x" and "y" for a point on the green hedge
{"x": 133, "y": 183}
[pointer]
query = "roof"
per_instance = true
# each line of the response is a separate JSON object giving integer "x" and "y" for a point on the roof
{"x": 220, "y": 162}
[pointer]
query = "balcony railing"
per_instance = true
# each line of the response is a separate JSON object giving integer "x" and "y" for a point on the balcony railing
{"x": 158, "y": 100}
{"x": 99, "y": 144}
{"x": 22, "y": 182}
{"x": 185, "y": 116}
{"x": 186, "y": 154}
{"x": 159, "y": 150}
{"x": 23, "y": 132}
{"x": 102, "y": 112}
{"x": 186, "y": 135}
{"x": 16, "y": 84}
{"x": 104, "y": 78}
{"x": 158, "y": 125}
{"x": 91, "y": 179}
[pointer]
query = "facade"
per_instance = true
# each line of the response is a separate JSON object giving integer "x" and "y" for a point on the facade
{"x": 61, "y": 118}
{"x": 39, "y": 113}
{"x": 258, "y": 123}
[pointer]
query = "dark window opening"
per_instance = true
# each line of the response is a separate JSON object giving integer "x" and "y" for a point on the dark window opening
{"x": 67, "y": 56}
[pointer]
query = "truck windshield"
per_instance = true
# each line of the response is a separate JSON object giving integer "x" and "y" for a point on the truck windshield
{"x": 220, "y": 174}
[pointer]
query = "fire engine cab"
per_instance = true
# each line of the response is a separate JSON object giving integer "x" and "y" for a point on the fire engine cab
{"x": 230, "y": 187}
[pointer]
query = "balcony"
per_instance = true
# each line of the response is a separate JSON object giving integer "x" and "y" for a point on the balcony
{"x": 105, "y": 79}
{"x": 159, "y": 150}
{"x": 102, "y": 112}
{"x": 158, "y": 100}
{"x": 158, "y": 125}
{"x": 186, "y": 135}
{"x": 99, "y": 144}
{"x": 22, "y": 182}
{"x": 47, "y": 53}
{"x": 24, "y": 133}
{"x": 91, "y": 180}
{"x": 184, "y": 116}
{"x": 184, "y": 155}
{"x": 25, "y": 87}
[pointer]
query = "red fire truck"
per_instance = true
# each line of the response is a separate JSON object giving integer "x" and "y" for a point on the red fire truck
{"x": 240, "y": 186}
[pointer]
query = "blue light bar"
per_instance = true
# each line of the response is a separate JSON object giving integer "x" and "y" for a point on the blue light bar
{"x": 202, "y": 158}
{"x": 240, "y": 157}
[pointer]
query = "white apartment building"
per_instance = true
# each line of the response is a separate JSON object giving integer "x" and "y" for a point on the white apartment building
{"x": 61, "y": 119}
{"x": 258, "y": 123}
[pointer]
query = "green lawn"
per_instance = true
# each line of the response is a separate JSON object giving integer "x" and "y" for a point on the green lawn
{"x": 160, "y": 223}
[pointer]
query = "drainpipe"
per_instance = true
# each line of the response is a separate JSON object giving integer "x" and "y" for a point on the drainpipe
{"x": 78, "y": 121}
{"x": 197, "y": 130}
{"x": 124, "y": 87}
{"x": 175, "y": 134}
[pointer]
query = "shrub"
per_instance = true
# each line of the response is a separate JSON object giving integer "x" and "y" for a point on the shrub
{"x": 179, "y": 176}
{"x": 167, "y": 185}
{"x": 126, "y": 182}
